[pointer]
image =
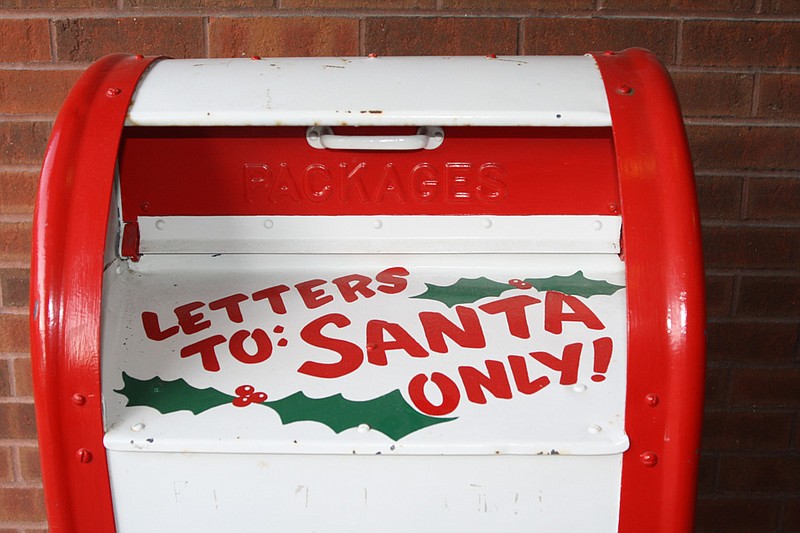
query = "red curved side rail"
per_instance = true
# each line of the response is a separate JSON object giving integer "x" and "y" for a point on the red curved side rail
{"x": 666, "y": 303}
{"x": 66, "y": 285}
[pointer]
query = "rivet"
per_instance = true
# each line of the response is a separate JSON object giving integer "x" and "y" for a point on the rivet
{"x": 160, "y": 224}
{"x": 255, "y": 58}
{"x": 597, "y": 225}
{"x": 268, "y": 223}
{"x": 145, "y": 206}
{"x": 363, "y": 428}
{"x": 138, "y": 56}
{"x": 613, "y": 208}
{"x": 137, "y": 426}
{"x": 83, "y": 455}
{"x": 491, "y": 56}
{"x": 579, "y": 387}
{"x": 372, "y": 55}
{"x": 652, "y": 399}
{"x": 113, "y": 91}
{"x": 608, "y": 53}
{"x": 624, "y": 89}
{"x": 487, "y": 223}
{"x": 594, "y": 429}
{"x": 377, "y": 224}
{"x": 78, "y": 399}
{"x": 649, "y": 459}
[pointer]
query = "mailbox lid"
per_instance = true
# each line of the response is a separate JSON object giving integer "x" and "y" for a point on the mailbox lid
{"x": 391, "y": 354}
{"x": 370, "y": 91}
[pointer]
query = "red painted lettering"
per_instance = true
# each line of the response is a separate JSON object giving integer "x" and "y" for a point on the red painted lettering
{"x": 554, "y": 315}
{"x": 567, "y": 365}
{"x": 353, "y": 285}
{"x": 231, "y": 306}
{"x": 263, "y": 346}
{"x": 311, "y": 297}
{"x": 350, "y": 355}
{"x": 393, "y": 280}
{"x": 273, "y": 295}
{"x": 153, "y": 330}
{"x": 436, "y": 326}
{"x": 447, "y": 389}
{"x": 514, "y": 309}
{"x": 496, "y": 381}
{"x": 377, "y": 345}
{"x": 191, "y": 323}
{"x": 207, "y": 350}
{"x": 519, "y": 369}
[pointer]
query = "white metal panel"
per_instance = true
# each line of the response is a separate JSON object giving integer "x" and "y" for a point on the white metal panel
{"x": 381, "y": 234}
{"x": 241, "y": 492}
{"x": 359, "y": 91}
{"x": 581, "y": 414}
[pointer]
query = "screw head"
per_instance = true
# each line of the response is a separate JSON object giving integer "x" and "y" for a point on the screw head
{"x": 78, "y": 399}
{"x": 613, "y": 208}
{"x": 652, "y": 399}
{"x": 111, "y": 92}
{"x": 84, "y": 456}
{"x": 625, "y": 89}
{"x": 649, "y": 459}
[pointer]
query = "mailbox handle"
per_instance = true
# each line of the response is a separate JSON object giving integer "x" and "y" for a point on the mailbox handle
{"x": 427, "y": 138}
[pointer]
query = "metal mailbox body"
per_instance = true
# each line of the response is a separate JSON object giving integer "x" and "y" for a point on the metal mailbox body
{"x": 359, "y": 294}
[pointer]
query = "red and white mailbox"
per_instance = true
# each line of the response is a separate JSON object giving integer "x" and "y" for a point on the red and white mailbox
{"x": 369, "y": 294}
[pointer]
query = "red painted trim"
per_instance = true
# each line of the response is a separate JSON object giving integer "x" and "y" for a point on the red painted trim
{"x": 68, "y": 241}
{"x": 666, "y": 308}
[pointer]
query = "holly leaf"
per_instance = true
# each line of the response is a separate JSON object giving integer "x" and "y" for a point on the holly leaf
{"x": 170, "y": 396}
{"x": 390, "y": 414}
{"x": 577, "y": 285}
{"x": 465, "y": 290}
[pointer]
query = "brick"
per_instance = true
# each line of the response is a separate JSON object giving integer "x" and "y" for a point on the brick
{"x": 17, "y": 421}
{"x": 17, "y": 192}
{"x": 23, "y": 143}
{"x": 14, "y": 333}
{"x": 15, "y": 240}
{"x": 14, "y": 287}
{"x": 744, "y": 147}
{"x": 24, "y": 40}
{"x": 34, "y": 91}
{"x": 358, "y": 4}
{"x": 777, "y": 297}
{"x": 751, "y": 342}
{"x": 557, "y": 36}
{"x": 6, "y": 465}
{"x": 747, "y": 431}
{"x": 56, "y": 4}
{"x": 30, "y": 468}
{"x": 23, "y": 376}
{"x": 766, "y": 387}
{"x": 719, "y": 295}
{"x": 90, "y": 39}
{"x": 719, "y": 197}
{"x": 5, "y": 378}
{"x": 741, "y": 43}
{"x": 781, "y": 7}
{"x": 200, "y": 4}
{"x": 717, "y": 387}
{"x": 22, "y": 504}
{"x": 284, "y": 36}
{"x": 519, "y": 6}
{"x": 440, "y": 36}
{"x": 773, "y": 199}
{"x": 791, "y": 516}
{"x": 778, "y": 96}
{"x": 759, "y": 474}
{"x": 751, "y": 247}
{"x": 706, "y": 473}
{"x": 736, "y": 515}
{"x": 680, "y": 5}
{"x": 712, "y": 94}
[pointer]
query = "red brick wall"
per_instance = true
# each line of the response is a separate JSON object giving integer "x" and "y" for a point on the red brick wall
{"x": 736, "y": 64}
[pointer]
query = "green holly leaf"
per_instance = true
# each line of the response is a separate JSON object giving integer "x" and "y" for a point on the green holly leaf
{"x": 170, "y": 396}
{"x": 465, "y": 290}
{"x": 577, "y": 285}
{"x": 389, "y": 414}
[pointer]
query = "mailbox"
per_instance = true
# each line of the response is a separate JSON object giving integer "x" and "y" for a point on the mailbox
{"x": 369, "y": 294}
